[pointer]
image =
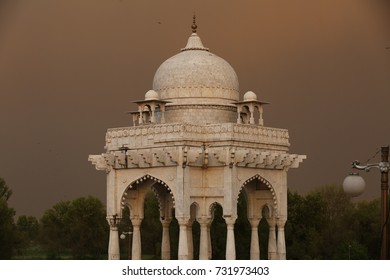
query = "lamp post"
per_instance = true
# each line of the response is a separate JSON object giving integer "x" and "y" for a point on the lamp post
{"x": 123, "y": 236}
{"x": 354, "y": 185}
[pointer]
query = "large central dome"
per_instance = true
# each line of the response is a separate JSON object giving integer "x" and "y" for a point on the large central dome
{"x": 196, "y": 75}
{"x": 198, "y": 86}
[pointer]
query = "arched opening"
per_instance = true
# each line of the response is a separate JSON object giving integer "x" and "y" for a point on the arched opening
{"x": 218, "y": 232}
{"x": 242, "y": 229}
{"x": 149, "y": 220}
{"x": 151, "y": 228}
{"x": 174, "y": 237}
{"x": 125, "y": 230}
{"x": 194, "y": 232}
{"x": 264, "y": 233}
{"x": 255, "y": 211}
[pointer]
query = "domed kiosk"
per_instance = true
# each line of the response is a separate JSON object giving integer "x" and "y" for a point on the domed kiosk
{"x": 196, "y": 145}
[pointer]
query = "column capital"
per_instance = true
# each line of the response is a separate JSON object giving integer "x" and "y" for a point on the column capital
{"x": 183, "y": 221}
{"x": 113, "y": 221}
{"x": 280, "y": 222}
{"x": 136, "y": 221}
{"x": 165, "y": 222}
{"x": 230, "y": 221}
{"x": 271, "y": 222}
{"x": 254, "y": 222}
{"x": 204, "y": 220}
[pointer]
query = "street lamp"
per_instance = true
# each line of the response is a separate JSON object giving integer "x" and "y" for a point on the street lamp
{"x": 354, "y": 185}
{"x": 123, "y": 236}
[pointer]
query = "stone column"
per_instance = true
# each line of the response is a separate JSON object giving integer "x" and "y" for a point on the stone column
{"x": 230, "y": 244}
{"x": 162, "y": 108}
{"x": 183, "y": 241}
{"x": 272, "y": 255}
{"x": 261, "y": 121}
{"x": 141, "y": 117}
{"x": 153, "y": 117}
{"x": 113, "y": 244}
{"x": 204, "y": 238}
{"x": 136, "y": 250}
{"x": 165, "y": 244}
{"x": 255, "y": 248}
{"x": 190, "y": 241}
{"x": 210, "y": 248}
{"x": 239, "y": 114}
{"x": 281, "y": 239}
{"x": 252, "y": 118}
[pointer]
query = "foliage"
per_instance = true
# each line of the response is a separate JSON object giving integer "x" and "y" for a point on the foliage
{"x": 151, "y": 229}
{"x": 242, "y": 230}
{"x": 8, "y": 237}
{"x": 7, "y": 231}
{"x": 27, "y": 231}
{"x": 77, "y": 227}
{"x": 5, "y": 191}
{"x": 218, "y": 231}
{"x": 325, "y": 224}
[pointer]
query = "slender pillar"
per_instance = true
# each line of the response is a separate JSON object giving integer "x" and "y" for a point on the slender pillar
{"x": 281, "y": 239}
{"x": 183, "y": 241}
{"x": 239, "y": 115}
{"x": 252, "y": 118}
{"x": 255, "y": 248}
{"x": 140, "y": 119}
{"x": 230, "y": 244}
{"x": 204, "y": 238}
{"x": 261, "y": 121}
{"x": 209, "y": 245}
{"x": 165, "y": 244}
{"x": 272, "y": 253}
{"x": 113, "y": 245}
{"x": 136, "y": 250}
{"x": 162, "y": 108}
{"x": 190, "y": 241}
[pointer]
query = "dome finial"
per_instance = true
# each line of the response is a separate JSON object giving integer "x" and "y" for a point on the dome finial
{"x": 194, "y": 26}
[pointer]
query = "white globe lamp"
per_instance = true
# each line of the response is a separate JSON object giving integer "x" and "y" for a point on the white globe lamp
{"x": 354, "y": 185}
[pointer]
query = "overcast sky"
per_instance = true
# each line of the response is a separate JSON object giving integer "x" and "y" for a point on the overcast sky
{"x": 69, "y": 70}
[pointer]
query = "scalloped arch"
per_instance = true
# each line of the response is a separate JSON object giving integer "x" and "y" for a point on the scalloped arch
{"x": 268, "y": 184}
{"x": 142, "y": 179}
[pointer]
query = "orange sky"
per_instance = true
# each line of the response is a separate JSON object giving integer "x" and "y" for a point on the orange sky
{"x": 69, "y": 70}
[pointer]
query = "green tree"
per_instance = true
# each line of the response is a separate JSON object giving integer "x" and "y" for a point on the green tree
{"x": 338, "y": 218}
{"x": 77, "y": 227}
{"x": 218, "y": 231}
{"x": 325, "y": 224}
{"x": 5, "y": 191}
{"x": 367, "y": 227}
{"x": 151, "y": 228}
{"x": 8, "y": 238}
{"x": 242, "y": 230}
{"x": 27, "y": 228}
{"x": 304, "y": 226}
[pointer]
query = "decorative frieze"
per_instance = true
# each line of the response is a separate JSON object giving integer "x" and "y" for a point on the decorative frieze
{"x": 195, "y": 156}
{"x": 152, "y": 135}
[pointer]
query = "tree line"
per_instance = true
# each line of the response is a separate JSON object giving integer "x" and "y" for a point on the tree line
{"x": 323, "y": 224}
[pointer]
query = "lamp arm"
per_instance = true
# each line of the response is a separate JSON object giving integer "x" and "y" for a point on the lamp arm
{"x": 382, "y": 166}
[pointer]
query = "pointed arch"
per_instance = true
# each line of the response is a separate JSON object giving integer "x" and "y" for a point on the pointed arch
{"x": 263, "y": 185}
{"x": 162, "y": 191}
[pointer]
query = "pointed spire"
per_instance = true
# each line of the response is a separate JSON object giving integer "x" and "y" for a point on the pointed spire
{"x": 194, "y": 42}
{"x": 194, "y": 26}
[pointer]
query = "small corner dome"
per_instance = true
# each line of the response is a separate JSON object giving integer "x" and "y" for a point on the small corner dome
{"x": 152, "y": 95}
{"x": 250, "y": 96}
